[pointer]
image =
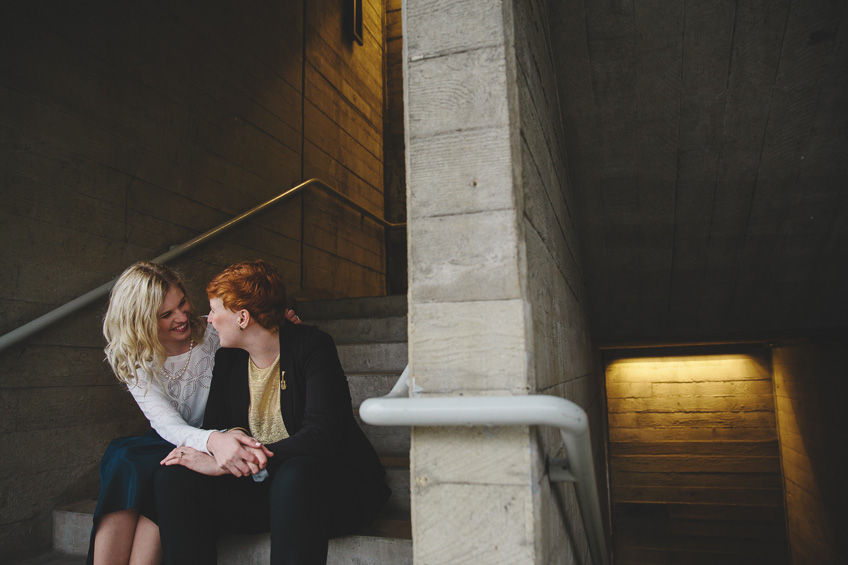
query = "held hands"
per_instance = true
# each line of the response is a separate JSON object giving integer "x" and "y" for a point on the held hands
{"x": 194, "y": 460}
{"x": 237, "y": 453}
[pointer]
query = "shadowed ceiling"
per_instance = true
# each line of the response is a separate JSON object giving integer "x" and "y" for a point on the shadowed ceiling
{"x": 707, "y": 144}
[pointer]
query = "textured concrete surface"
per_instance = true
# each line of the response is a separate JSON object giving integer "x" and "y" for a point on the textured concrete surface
{"x": 705, "y": 143}
{"x": 51, "y": 558}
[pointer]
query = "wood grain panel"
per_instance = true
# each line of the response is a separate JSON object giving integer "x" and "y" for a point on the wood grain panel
{"x": 394, "y": 149}
{"x": 343, "y": 144}
{"x": 695, "y": 464}
{"x": 684, "y": 433}
{"x": 694, "y": 404}
{"x": 721, "y": 479}
{"x": 733, "y": 420}
{"x": 341, "y": 231}
{"x": 738, "y": 447}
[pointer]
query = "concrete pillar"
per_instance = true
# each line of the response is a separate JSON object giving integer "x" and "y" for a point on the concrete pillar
{"x": 472, "y": 500}
{"x": 495, "y": 289}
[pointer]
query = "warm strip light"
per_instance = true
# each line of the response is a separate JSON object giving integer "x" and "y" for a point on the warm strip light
{"x": 699, "y": 368}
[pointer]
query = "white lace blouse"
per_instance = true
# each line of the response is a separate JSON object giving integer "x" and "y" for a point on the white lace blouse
{"x": 176, "y": 410}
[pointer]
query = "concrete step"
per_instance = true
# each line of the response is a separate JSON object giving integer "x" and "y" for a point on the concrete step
{"x": 369, "y": 307}
{"x": 364, "y": 330}
{"x": 349, "y": 550}
{"x": 50, "y": 558}
{"x": 387, "y": 440}
{"x": 388, "y": 541}
{"x": 369, "y": 385}
{"x": 373, "y": 357}
{"x": 397, "y": 477}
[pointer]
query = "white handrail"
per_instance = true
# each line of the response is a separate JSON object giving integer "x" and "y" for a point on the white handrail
{"x": 91, "y": 296}
{"x": 396, "y": 409}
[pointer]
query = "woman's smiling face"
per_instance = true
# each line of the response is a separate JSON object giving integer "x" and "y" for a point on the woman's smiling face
{"x": 173, "y": 321}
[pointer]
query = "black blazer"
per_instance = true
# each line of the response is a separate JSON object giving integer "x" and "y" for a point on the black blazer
{"x": 315, "y": 405}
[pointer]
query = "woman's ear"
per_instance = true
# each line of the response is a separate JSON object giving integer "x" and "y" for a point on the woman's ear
{"x": 243, "y": 318}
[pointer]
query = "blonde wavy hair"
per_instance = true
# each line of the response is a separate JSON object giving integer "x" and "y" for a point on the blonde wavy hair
{"x": 131, "y": 322}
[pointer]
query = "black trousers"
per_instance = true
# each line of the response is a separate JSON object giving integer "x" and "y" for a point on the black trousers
{"x": 305, "y": 503}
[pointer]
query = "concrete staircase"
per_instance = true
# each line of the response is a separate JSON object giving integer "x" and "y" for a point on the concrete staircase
{"x": 370, "y": 334}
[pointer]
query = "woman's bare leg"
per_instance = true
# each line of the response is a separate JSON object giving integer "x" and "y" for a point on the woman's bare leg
{"x": 113, "y": 541}
{"x": 146, "y": 546}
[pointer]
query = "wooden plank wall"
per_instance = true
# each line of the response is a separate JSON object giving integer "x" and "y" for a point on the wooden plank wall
{"x": 129, "y": 127}
{"x": 394, "y": 160}
{"x": 811, "y": 387}
{"x": 343, "y": 254}
{"x": 694, "y": 459}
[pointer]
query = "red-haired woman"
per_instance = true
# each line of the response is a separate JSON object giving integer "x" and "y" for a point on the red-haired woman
{"x": 284, "y": 385}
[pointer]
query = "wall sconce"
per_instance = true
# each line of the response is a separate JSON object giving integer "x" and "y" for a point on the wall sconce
{"x": 353, "y": 20}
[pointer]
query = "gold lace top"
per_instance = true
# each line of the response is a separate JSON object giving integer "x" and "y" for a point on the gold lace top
{"x": 264, "y": 416}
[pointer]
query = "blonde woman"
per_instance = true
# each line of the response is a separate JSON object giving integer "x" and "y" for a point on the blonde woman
{"x": 165, "y": 356}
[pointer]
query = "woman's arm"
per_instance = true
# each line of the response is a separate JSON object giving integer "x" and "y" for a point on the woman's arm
{"x": 178, "y": 420}
{"x": 202, "y": 463}
{"x": 164, "y": 417}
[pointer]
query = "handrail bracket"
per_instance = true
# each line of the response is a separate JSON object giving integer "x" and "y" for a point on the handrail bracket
{"x": 558, "y": 470}
{"x": 398, "y": 409}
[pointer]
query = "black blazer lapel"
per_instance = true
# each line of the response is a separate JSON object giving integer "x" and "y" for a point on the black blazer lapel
{"x": 289, "y": 375}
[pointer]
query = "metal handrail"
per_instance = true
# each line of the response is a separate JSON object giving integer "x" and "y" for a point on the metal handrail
{"x": 80, "y": 302}
{"x": 397, "y": 409}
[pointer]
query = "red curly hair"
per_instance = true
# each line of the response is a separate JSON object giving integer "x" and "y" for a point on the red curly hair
{"x": 254, "y": 286}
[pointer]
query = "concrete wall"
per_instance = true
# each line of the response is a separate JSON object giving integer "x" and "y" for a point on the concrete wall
{"x": 563, "y": 361}
{"x": 128, "y": 127}
{"x": 810, "y": 390}
{"x": 694, "y": 457}
{"x": 495, "y": 291}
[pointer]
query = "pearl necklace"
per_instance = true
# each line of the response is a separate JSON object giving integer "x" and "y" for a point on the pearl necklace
{"x": 183, "y": 370}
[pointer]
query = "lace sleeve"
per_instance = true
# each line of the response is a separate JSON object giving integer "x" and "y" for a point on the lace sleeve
{"x": 165, "y": 418}
{"x": 175, "y": 406}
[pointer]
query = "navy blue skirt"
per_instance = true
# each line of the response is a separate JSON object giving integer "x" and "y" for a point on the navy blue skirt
{"x": 126, "y": 477}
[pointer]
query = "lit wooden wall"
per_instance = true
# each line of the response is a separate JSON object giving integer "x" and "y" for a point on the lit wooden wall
{"x": 811, "y": 386}
{"x": 694, "y": 460}
{"x": 343, "y": 254}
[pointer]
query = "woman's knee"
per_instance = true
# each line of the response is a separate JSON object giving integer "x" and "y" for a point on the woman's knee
{"x": 172, "y": 484}
{"x": 120, "y": 520}
{"x": 299, "y": 472}
{"x": 299, "y": 481}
